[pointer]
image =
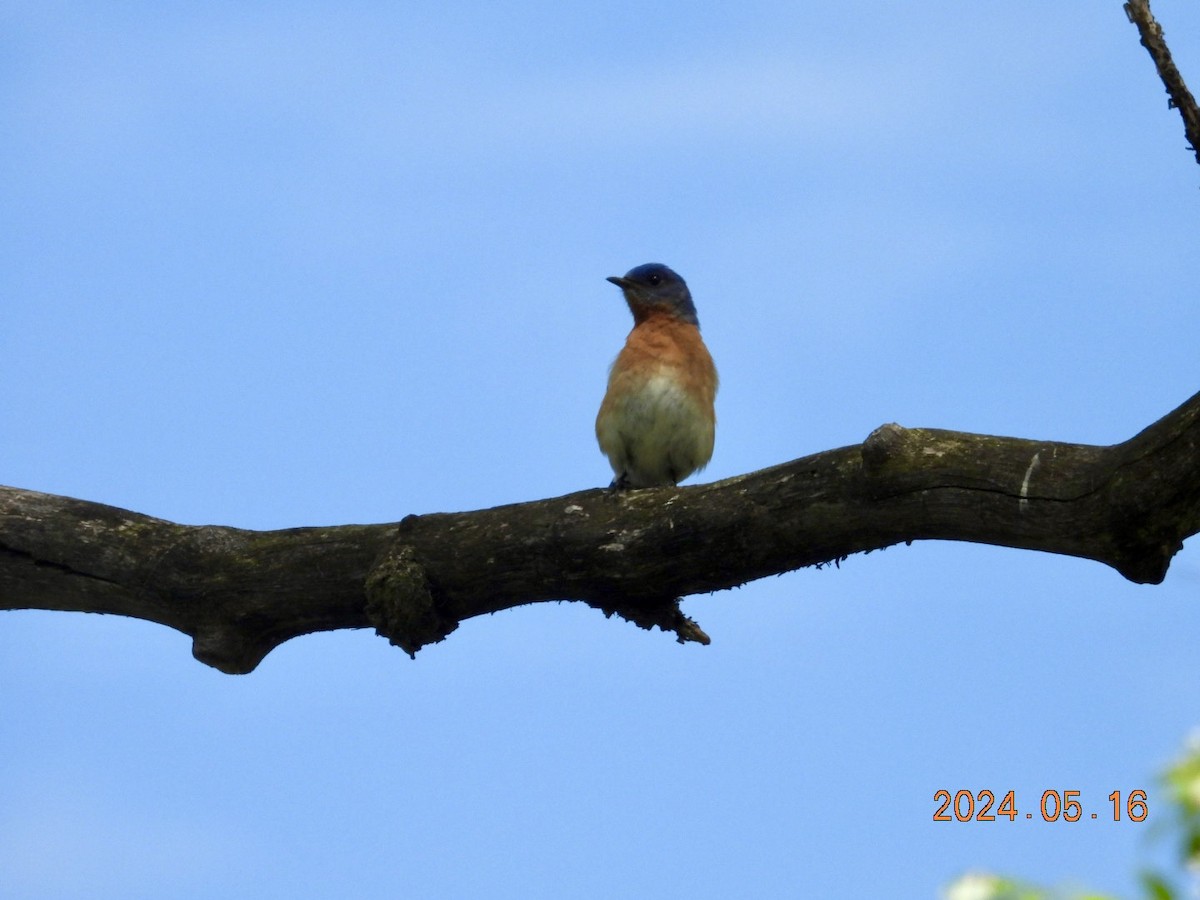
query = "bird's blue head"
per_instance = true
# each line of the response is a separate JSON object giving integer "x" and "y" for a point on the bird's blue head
{"x": 655, "y": 288}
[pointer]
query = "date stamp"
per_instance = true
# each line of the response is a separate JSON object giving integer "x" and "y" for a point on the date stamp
{"x": 1055, "y": 806}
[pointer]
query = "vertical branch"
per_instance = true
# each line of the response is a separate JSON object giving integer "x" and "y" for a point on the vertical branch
{"x": 1151, "y": 32}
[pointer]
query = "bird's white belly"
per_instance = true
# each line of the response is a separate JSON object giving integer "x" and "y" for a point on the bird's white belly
{"x": 658, "y": 434}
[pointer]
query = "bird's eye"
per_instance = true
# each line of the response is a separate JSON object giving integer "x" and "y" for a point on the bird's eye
{"x": 655, "y": 279}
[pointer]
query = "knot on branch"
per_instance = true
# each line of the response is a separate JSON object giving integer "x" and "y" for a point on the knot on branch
{"x": 665, "y": 614}
{"x": 400, "y": 604}
{"x": 884, "y": 444}
{"x": 230, "y": 649}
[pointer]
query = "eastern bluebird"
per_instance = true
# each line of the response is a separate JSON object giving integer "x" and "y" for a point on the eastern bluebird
{"x": 656, "y": 424}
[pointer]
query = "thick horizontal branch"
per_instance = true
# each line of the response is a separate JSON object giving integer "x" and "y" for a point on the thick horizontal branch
{"x": 241, "y": 593}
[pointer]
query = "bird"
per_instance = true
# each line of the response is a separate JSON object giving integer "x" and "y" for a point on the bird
{"x": 657, "y": 423}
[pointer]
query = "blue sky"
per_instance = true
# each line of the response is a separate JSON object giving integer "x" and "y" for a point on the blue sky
{"x": 270, "y": 265}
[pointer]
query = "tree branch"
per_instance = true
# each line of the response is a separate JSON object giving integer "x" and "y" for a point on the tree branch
{"x": 1152, "y": 39}
{"x": 241, "y": 593}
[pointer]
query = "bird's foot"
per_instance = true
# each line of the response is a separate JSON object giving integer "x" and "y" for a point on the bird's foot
{"x": 619, "y": 484}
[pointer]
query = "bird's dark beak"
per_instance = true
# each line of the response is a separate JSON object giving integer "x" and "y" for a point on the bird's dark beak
{"x": 620, "y": 282}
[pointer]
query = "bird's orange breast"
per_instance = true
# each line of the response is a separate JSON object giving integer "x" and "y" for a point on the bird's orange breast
{"x": 663, "y": 342}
